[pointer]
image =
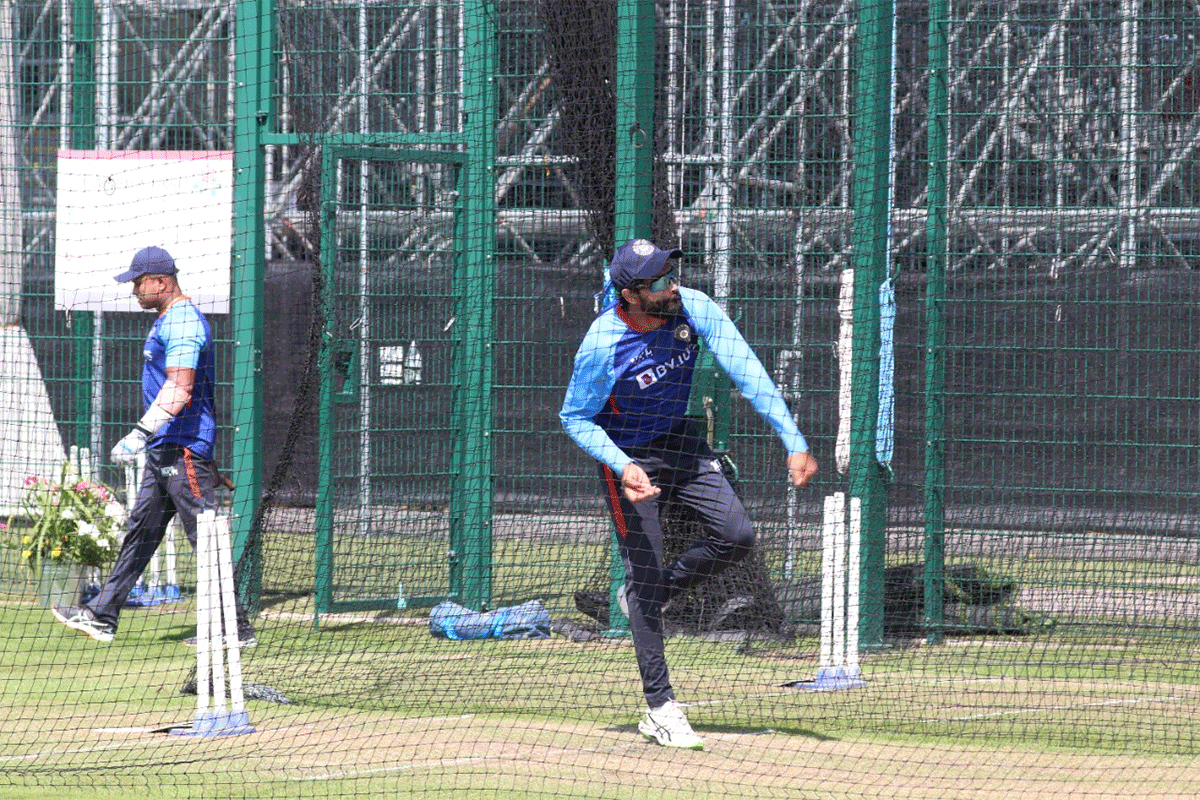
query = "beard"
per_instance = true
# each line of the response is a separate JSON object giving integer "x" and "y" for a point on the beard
{"x": 663, "y": 309}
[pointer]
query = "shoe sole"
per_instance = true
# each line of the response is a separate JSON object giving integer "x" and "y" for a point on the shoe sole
{"x": 653, "y": 737}
{"x": 82, "y": 627}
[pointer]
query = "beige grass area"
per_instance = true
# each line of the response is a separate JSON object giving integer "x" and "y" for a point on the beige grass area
{"x": 313, "y": 753}
{"x": 612, "y": 761}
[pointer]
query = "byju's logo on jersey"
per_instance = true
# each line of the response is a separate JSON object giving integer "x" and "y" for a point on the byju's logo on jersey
{"x": 648, "y": 377}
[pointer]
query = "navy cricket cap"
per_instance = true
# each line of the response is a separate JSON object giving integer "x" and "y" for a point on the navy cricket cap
{"x": 148, "y": 261}
{"x": 636, "y": 260}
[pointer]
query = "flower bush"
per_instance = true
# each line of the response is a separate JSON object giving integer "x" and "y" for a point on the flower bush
{"x": 69, "y": 521}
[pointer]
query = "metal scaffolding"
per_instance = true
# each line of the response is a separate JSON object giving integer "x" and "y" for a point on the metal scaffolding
{"x": 1073, "y": 125}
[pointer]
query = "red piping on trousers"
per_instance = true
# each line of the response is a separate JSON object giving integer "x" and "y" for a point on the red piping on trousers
{"x": 615, "y": 499}
{"x": 190, "y": 467}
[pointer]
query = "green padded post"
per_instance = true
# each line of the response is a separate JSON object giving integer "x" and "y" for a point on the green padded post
{"x": 872, "y": 166}
{"x": 935, "y": 332}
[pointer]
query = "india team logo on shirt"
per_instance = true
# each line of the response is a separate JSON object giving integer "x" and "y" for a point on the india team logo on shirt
{"x": 646, "y": 379}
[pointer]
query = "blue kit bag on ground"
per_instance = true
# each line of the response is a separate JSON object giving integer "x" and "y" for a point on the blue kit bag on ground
{"x": 529, "y": 620}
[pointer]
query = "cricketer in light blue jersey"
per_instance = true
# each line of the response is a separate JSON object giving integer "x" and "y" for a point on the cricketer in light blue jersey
{"x": 626, "y": 406}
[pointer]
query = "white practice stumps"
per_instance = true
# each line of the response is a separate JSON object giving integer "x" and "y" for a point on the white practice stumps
{"x": 216, "y": 636}
{"x": 841, "y": 545}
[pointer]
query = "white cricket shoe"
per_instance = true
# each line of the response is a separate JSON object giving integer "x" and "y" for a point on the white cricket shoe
{"x": 81, "y": 618}
{"x": 668, "y": 726}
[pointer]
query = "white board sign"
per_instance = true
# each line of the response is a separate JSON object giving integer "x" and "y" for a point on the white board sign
{"x": 113, "y": 203}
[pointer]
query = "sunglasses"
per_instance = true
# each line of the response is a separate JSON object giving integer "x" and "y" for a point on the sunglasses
{"x": 661, "y": 282}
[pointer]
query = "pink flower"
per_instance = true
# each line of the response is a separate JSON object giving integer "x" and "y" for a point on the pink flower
{"x": 91, "y": 490}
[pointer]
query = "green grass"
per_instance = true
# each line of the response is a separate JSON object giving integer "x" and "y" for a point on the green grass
{"x": 367, "y": 683}
{"x": 381, "y": 708}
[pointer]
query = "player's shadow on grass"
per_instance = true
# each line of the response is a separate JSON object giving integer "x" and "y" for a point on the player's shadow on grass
{"x": 739, "y": 730}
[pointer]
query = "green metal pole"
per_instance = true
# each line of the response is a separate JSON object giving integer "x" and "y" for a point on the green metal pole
{"x": 253, "y": 38}
{"x": 471, "y": 504}
{"x": 935, "y": 325}
{"x": 872, "y": 140}
{"x": 83, "y": 75}
{"x": 634, "y": 201}
{"x": 635, "y": 119}
{"x": 83, "y": 137}
{"x": 323, "y": 555}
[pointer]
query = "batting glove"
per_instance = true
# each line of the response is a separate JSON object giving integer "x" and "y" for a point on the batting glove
{"x": 128, "y": 449}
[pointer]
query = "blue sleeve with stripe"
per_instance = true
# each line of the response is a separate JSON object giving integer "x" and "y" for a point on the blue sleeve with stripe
{"x": 591, "y": 385}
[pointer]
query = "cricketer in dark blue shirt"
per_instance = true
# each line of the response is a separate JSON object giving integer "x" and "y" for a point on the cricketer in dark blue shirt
{"x": 173, "y": 441}
{"x": 180, "y": 338}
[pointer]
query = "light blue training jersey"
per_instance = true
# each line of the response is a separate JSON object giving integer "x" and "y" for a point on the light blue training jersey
{"x": 631, "y": 386}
